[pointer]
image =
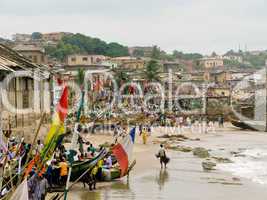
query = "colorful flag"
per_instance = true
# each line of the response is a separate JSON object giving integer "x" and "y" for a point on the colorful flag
{"x": 59, "y": 117}
{"x": 123, "y": 151}
{"x": 57, "y": 128}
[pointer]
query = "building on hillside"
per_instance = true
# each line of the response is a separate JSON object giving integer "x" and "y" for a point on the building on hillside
{"x": 217, "y": 91}
{"x": 18, "y": 37}
{"x": 33, "y": 52}
{"x": 211, "y": 62}
{"x": 54, "y": 37}
{"x": 147, "y": 51}
{"x": 173, "y": 66}
{"x": 87, "y": 60}
{"x": 219, "y": 76}
{"x": 128, "y": 62}
{"x": 233, "y": 56}
{"x": 109, "y": 63}
{"x": 20, "y": 90}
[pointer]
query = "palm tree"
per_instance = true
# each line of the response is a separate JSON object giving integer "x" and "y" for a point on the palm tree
{"x": 121, "y": 76}
{"x": 80, "y": 77}
{"x": 152, "y": 71}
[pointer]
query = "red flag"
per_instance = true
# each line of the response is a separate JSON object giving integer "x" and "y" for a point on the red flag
{"x": 97, "y": 85}
{"x": 62, "y": 107}
{"x": 31, "y": 165}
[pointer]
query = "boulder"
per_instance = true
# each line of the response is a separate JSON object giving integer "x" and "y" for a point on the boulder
{"x": 207, "y": 165}
{"x": 201, "y": 152}
{"x": 180, "y": 148}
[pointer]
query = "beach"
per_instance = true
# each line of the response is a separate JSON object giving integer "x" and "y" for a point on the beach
{"x": 184, "y": 178}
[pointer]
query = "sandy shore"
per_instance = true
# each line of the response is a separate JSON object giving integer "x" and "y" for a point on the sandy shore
{"x": 184, "y": 177}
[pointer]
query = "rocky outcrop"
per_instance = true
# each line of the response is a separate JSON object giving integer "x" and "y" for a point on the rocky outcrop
{"x": 208, "y": 165}
{"x": 201, "y": 152}
{"x": 180, "y": 148}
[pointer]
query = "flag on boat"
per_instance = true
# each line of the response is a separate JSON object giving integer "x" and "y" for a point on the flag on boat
{"x": 21, "y": 193}
{"x": 57, "y": 127}
{"x": 123, "y": 151}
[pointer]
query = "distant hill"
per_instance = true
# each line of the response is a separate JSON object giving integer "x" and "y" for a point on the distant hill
{"x": 82, "y": 44}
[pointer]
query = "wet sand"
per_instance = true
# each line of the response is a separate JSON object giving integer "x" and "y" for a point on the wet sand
{"x": 184, "y": 178}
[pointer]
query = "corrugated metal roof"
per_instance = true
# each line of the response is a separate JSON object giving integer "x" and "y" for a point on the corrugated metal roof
{"x": 11, "y": 60}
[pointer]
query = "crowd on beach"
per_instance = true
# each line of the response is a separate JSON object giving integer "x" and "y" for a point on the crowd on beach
{"x": 16, "y": 155}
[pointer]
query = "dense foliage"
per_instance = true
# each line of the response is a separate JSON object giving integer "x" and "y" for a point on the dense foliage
{"x": 257, "y": 61}
{"x": 36, "y": 36}
{"x": 152, "y": 71}
{"x": 186, "y": 56}
{"x": 79, "y": 43}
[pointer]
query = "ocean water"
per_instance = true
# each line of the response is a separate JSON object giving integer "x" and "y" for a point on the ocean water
{"x": 250, "y": 164}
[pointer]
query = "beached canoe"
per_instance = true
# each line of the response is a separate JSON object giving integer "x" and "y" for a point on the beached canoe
{"x": 249, "y": 125}
{"x": 79, "y": 167}
{"x": 115, "y": 173}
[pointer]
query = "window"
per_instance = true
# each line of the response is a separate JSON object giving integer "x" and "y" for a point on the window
{"x": 85, "y": 59}
{"x": 35, "y": 59}
{"x": 25, "y": 100}
{"x": 73, "y": 59}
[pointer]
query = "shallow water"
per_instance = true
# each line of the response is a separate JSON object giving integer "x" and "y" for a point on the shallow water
{"x": 251, "y": 164}
{"x": 185, "y": 179}
{"x": 155, "y": 184}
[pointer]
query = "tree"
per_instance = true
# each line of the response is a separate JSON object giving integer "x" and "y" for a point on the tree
{"x": 80, "y": 77}
{"x": 79, "y": 43}
{"x": 152, "y": 71}
{"x": 121, "y": 76}
{"x": 214, "y": 54}
{"x": 155, "y": 52}
{"x": 138, "y": 53}
{"x": 36, "y": 36}
{"x": 186, "y": 56}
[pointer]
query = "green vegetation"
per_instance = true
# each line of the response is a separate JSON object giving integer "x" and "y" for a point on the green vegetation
{"x": 80, "y": 77}
{"x": 79, "y": 43}
{"x": 138, "y": 53}
{"x": 256, "y": 61}
{"x": 36, "y": 36}
{"x": 152, "y": 71}
{"x": 156, "y": 54}
{"x": 186, "y": 56}
{"x": 121, "y": 76}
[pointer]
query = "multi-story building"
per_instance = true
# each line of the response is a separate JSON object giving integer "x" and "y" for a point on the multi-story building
{"x": 129, "y": 62}
{"x": 233, "y": 56}
{"x": 211, "y": 62}
{"x": 84, "y": 60}
{"x": 33, "y": 52}
{"x": 20, "y": 92}
{"x": 18, "y": 37}
{"x": 54, "y": 37}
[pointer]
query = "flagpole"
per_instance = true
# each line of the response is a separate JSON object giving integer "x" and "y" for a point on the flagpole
{"x": 33, "y": 142}
{"x": 73, "y": 147}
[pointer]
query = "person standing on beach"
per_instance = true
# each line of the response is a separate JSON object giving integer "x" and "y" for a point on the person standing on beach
{"x": 144, "y": 136}
{"x": 63, "y": 171}
{"x": 162, "y": 156}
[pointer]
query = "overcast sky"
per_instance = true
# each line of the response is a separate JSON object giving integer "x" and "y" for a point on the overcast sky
{"x": 188, "y": 25}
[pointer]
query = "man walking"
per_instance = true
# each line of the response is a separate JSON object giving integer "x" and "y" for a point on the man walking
{"x": 162, "y": 156}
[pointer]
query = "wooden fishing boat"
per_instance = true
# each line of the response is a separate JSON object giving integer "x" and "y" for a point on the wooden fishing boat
{"x": 249, "y": 125}
{"x": 115, "y": 173}
{"x": 79, "y": 167}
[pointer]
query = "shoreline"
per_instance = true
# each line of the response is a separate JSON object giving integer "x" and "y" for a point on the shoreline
{"x": 186, "y": 168}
